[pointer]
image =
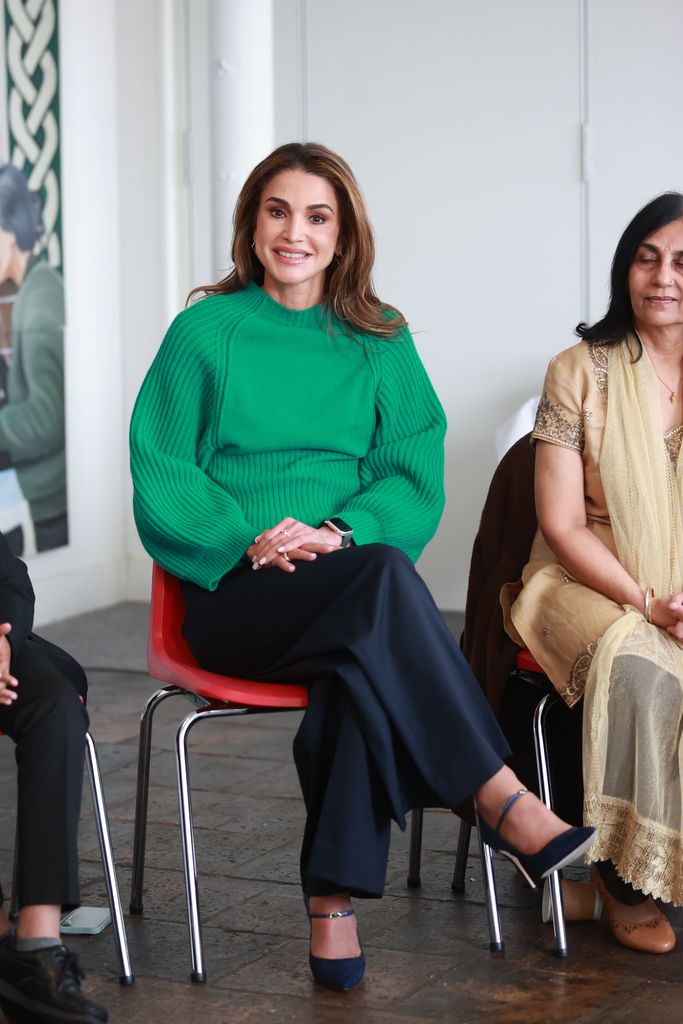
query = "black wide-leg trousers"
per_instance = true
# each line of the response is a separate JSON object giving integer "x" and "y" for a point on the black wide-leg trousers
{"x": 395, "y": 720}
{"x": 48, "y": 723}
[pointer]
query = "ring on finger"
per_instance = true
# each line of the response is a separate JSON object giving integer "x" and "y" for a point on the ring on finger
{"x": 285, "y": 533}
{"x": 286, "y": 557}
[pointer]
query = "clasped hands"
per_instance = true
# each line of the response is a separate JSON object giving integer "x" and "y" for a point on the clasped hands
{"x": 291, "y": 541}
{"x": 8, "y": 683}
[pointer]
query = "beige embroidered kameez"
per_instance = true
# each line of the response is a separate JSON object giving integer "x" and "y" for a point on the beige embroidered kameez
{"x": 633, "y": 714}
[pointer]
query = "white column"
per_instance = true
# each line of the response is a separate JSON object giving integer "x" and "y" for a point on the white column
{"x": 242, "y": 106}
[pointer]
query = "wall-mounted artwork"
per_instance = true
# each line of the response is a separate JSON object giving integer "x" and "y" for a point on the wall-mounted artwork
{"x": 33, "y": 498}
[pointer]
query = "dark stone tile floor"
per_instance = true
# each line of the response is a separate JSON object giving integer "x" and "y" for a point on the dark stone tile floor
{"x": 427, "y": 950}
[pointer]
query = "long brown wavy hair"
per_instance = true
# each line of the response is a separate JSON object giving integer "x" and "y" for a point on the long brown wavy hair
{"x": 349, "y": 292}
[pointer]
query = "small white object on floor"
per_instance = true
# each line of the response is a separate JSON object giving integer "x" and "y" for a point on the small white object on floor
{"x": 85, "y": 921}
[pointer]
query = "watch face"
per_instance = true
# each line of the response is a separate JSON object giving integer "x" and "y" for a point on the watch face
{"x": 342, "y": 529}
{"x": 340, "y": 525}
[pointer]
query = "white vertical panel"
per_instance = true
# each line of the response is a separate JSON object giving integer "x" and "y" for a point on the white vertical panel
{"x": 241, "y": 76}
{"x": 462, "y": 123}
{"x": 289, "y": 43}
{"x": 636, "y": 86}
{"x": 147, "y": 178}
{"x": 176, "y": 179}
{"x": 231, "y": 116}
{"x": 198, "y": 141}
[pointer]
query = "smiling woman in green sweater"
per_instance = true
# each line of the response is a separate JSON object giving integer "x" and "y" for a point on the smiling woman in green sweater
{"x": 287, "y": 457}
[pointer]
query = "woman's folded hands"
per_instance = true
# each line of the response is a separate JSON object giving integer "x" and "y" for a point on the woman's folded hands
{"x": 291, "y": 541}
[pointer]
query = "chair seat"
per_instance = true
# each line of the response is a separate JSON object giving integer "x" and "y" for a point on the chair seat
{"x": 170, "y": 660}
{"x": 186, "y": 673}
{"x": 527, "y": 662}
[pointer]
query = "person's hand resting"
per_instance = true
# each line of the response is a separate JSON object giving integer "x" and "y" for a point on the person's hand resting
{"x": 8, "y": 683}
{"x": 293, "y": 539}
{"x": 667, "y": 612}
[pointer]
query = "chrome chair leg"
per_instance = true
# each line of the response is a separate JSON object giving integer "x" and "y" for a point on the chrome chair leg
{"x": 189, "y": 855}
{"x": 126, "y": 976}
{"x": 142, "y": 794}
{"x": 464, "y": 832}
{"x": 416, "y": 820}
{"x": 496, "y": 943}
{"x": 542, "y": 765}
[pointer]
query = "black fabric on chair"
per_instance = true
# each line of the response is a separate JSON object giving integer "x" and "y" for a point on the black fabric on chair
{"x": 523, "y": 691}
{"x": 501, "y": 550}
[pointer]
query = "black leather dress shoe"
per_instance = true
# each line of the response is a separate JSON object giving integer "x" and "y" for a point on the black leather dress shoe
{"x": 44, "y": 985}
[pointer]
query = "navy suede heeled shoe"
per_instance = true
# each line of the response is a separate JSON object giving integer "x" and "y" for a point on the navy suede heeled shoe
{"x": 342, "y": 974}
{"x": 564, "y": 849}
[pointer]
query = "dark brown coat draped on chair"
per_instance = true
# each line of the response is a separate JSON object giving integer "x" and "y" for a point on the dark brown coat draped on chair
{"x": 501, "y": 550}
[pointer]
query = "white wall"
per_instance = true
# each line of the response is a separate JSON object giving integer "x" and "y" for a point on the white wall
{"x": 151, "y": 208}
{"x": 463, "y": 124}
{"x": 462, "y": 121}
{"x": 636, "y": 80}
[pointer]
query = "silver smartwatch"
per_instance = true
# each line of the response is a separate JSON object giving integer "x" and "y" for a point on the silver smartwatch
{"x": 342, "y": 529}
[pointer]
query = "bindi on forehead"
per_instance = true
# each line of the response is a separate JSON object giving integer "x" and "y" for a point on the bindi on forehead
{"x": 663, "y": 250}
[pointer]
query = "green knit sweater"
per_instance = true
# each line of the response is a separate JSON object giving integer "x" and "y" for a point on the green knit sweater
{"x": 252, "y": 412}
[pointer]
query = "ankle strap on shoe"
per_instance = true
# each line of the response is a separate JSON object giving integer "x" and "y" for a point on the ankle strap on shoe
{"x": 334, "y": 915}
{"x": 508, "y": 804}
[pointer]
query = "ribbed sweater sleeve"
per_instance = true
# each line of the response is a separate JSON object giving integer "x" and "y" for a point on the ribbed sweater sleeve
{"x": 402, "y": 492}
{"x": 187, "y": 522}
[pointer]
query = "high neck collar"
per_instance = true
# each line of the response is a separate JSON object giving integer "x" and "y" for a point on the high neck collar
{"x": 314, "y": 316}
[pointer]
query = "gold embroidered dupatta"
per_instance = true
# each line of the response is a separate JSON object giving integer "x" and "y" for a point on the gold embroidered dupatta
{"x": 633, "y": 712}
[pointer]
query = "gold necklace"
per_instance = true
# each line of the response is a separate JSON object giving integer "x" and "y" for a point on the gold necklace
{"x": 673, "y": 393}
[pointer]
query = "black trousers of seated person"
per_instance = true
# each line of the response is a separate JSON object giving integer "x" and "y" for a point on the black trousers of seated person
{"x": 48, "y": 723}
{"x": 396, "y": 720}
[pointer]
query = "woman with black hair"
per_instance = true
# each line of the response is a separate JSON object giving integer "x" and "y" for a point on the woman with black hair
{"x": 601, "y": 605}
{"x": 32, "y": 421}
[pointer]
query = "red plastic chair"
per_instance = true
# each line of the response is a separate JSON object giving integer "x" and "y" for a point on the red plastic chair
{"x": 215, "y": 696}
{"x": 527, "y": 663}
